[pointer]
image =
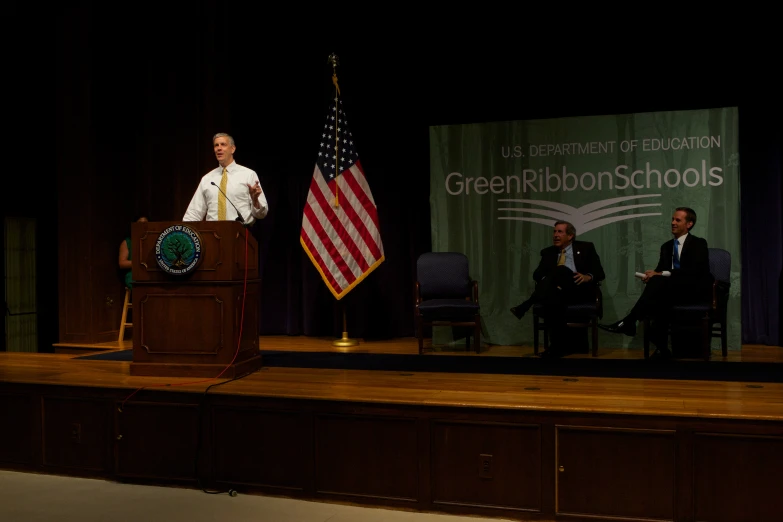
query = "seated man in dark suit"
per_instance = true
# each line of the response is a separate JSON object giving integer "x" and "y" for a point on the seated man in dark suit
{"x": 567, "y": 273}
{"x": 682, "y": 276}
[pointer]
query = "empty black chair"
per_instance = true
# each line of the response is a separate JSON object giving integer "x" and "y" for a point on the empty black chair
{"x": 445, "y": 295}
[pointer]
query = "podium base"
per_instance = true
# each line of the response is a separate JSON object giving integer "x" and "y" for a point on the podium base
{"x": 205, "y": 371}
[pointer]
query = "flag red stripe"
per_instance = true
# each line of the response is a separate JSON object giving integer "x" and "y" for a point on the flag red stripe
{"x": 358, "y": 222}
{"x": 368, "y": 192}
{"x": 317, "y": 258}
{"x": 369, "y": 208}
{"x": 329, "y": 245}
{"x": 327, "y": 211}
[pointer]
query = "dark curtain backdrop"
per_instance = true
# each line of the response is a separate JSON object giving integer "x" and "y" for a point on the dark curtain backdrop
{"x": 761, "y": 149}
{"x": 160, "y": 83}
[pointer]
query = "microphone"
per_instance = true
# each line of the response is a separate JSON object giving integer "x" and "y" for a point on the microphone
{"x": 239, "y": 216}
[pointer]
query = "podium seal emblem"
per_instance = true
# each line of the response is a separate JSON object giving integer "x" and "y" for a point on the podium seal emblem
{"x": 178, "y": 250}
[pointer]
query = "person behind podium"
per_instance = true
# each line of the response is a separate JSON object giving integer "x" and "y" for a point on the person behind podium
{"x": 682, "y": 276}
{"x": 568, "y": 273}
{"x": 125, "y": 257}
{"x": 225, "y": 187}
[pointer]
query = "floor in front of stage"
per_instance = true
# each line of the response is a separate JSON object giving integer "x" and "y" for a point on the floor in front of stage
{"x": 34, "y": 497}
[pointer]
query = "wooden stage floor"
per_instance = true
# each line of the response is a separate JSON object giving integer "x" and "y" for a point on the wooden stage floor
{"x": 694, "y": 399}
{"x": 587, "y": 394}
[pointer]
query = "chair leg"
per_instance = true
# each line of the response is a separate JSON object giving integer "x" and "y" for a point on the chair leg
{"x": 477, "y": 334}
{"x": 546, "y": 335}
{"x": 535, "y": 334}
{"x": 419, "y": 334}
{"x": 724, "y": 338}
{"x": 124, "y": 315}
{"x": 706, "y": 338}
{"x": 594, "y": 326}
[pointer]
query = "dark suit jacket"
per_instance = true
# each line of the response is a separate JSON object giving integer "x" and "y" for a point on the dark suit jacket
{"x": 694, "y": 261}
{"x": 585, "y": 258}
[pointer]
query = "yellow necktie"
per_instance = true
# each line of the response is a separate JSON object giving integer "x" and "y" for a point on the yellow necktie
{"x": 561, "y": 260}
{"x": 221, "y": 197}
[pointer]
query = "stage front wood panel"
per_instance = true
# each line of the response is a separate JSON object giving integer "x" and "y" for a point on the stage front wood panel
{"x": 614, "y": 471}
{"x": 365, "y": 437}
{"x": 155, "y": 439}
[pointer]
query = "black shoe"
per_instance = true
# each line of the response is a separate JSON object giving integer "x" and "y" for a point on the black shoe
{"x": 520, "y": 310}
{"x": 661, "y": 354}
{"x": 581, "y": 349}
{"x": 622, "y": 326}
{"x": 555, "y": 351}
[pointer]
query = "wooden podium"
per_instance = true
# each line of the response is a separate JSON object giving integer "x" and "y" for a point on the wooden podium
{"x": 188, "y": 289}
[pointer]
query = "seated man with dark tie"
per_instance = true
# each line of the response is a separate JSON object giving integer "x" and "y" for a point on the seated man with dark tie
{"x": 567, "y": 274}
{"x": 682, "y": 276}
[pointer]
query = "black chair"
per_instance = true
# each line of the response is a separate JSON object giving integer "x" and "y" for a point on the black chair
{"x": 710, "y": 315}
{"x": 446, "y": 295}
{"x": 577, "y": 315}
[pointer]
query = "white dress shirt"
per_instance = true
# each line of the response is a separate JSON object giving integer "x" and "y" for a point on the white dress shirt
{"x": 205, "y": 201}
{"x": 679, "y": 243}
{"x": 569, "y": 257}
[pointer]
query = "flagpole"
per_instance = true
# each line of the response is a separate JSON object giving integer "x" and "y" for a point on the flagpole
{"x": 334, "y": 60}
{"x": 345, "y": 342}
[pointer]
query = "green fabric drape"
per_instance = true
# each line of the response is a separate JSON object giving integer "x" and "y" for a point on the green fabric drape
{"x": 497, "y": 188}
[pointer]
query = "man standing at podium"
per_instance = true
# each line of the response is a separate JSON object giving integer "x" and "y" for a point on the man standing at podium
{"x": 227, "y": 189}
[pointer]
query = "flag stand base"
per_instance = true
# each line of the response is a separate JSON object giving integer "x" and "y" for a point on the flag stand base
{"x": 345, "y": 342}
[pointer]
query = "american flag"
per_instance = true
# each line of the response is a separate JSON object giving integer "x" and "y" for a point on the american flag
{"x": 340, "y": 231}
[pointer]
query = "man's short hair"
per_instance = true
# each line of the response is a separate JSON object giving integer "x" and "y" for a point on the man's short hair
{"x": 570, "y": 229}
{"x": 220, "y": 135}
{"x": 690, "y": 215}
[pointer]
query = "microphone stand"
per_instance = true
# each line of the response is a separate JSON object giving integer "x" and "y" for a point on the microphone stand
{"x": 239, "y": 215}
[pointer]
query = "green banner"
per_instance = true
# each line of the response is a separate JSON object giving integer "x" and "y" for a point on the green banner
{"x": 497, "y": 188}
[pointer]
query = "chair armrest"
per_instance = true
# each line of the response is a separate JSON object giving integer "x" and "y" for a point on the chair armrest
{"x": 475, "y": 291}
{"x": 416, "y": 293}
